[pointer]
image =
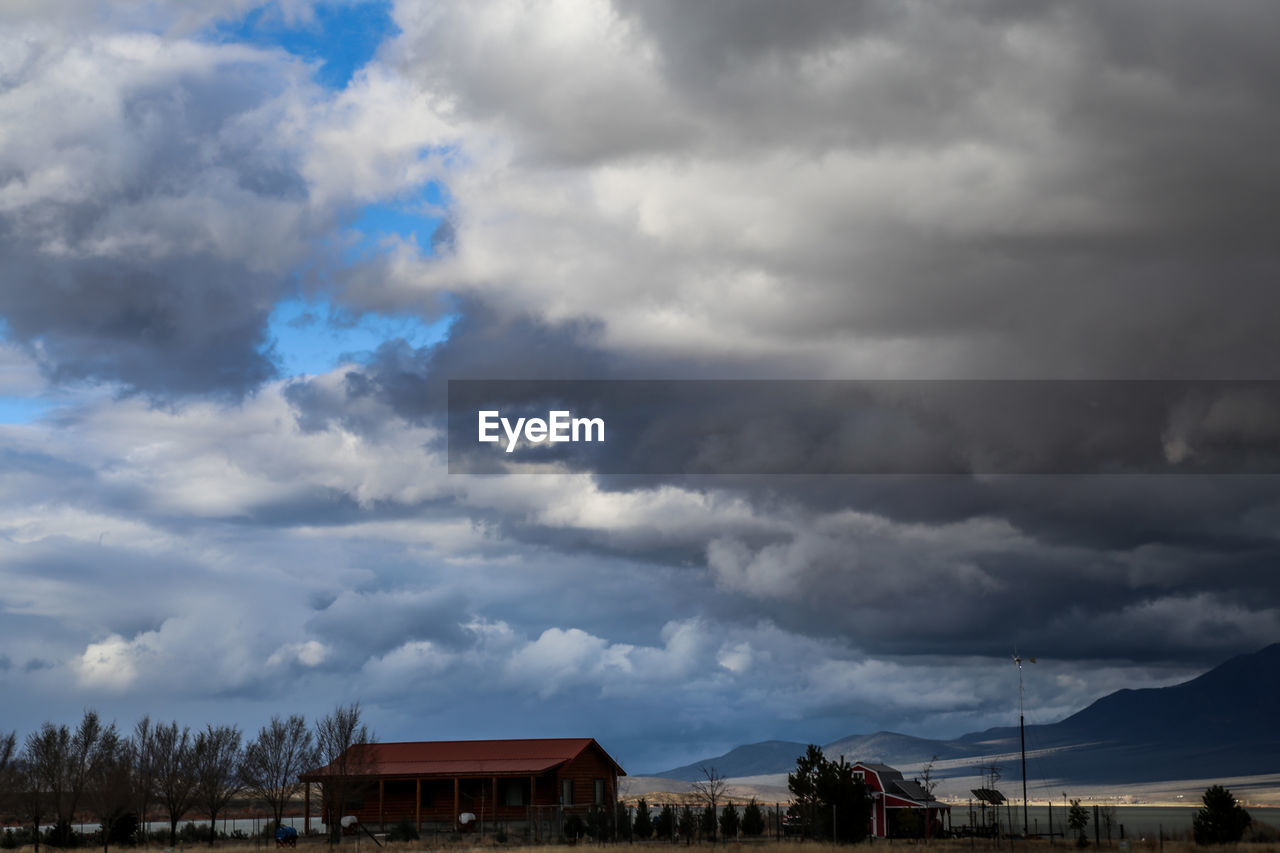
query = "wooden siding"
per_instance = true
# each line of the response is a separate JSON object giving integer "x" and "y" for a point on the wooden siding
{"x": 584, "y": 771}
{"x": 476, "y": 794}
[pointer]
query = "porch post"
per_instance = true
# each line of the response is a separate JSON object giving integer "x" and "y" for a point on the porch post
{"x": 495, "y": 803}
{"x": 382, "y": 818}
{"x": 306, "y": 808}
{"x": 456, "y": 802}
{"x": 534, "y": 814}
{"x": 417, "y": 804}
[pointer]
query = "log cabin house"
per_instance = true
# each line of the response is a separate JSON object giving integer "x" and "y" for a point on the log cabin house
{"x": 502, "y": 783}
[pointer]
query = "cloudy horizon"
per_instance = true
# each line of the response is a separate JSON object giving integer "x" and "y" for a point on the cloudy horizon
{"x": 246, "y": 246}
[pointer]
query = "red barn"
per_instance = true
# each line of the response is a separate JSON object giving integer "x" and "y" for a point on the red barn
{"x": 902, "y": 808}
{"x": 500, "y": 782}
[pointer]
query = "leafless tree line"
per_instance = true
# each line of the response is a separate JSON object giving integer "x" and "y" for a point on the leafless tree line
{"x": 59, "y": 774}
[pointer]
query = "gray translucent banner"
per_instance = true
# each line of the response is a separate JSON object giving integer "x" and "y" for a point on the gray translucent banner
{"x": 670, "y": 427}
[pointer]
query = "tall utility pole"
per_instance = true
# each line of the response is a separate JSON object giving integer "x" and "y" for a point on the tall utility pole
{"x": 1022, "y": 733}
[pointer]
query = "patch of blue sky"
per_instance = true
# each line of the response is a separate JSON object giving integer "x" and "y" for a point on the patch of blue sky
{"x": 24, "y": 410}
{"x": 314, "y": 336}
{"x": 311, "y": 336}
{"x": 340, "y": 36}
{"x": 24, "y": 395}
{"x": 415, "y": 220}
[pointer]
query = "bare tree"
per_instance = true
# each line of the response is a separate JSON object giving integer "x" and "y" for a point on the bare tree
{"x": 10, "y": 776}
{"x": 1107, "y": 819}
{"x": 216, "y": 758}
{"x": 342, "y": 742}
{"x": 710, "y": 790}
{"x": 926, "y": 780}
{"x": 273, "y": 761}
{"x": 144, "y": 772}
{"x": 43, "y": 769}
{"x": 8, "y": 769}
{"x": 108, "y": 788}
{"x": 83, "y": 744}
{"x": 29, "y": 796}
{"x": 174, "y": 773}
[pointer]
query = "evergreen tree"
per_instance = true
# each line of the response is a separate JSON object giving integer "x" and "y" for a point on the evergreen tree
{"x": 622, "y": 820}
{"x": 823, "y": 789}
{"x": 1222, "y": 820}
{"x": 643, "y": 827}
{"x": 843, "y": 796}
{"x": 707, "y": 823}
{"x": 752, "y": 820}
{"x": 729, "y": 822}
{"x": 687, "y": 824}
{"x": 803, "y": 784}
{"x": 666, "y": 824}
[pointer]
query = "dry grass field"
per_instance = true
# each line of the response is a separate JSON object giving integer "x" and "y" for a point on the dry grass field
{"x": 318, "y": 845}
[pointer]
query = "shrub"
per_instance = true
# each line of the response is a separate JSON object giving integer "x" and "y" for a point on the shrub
{"x": 403, "y": 831}
{"x": 1078, "y": 819}
{"x": 598, "y": 825}
{"x": 124, "y": 829}
{"x": 190, "y": 833}
{"x": 1222, "y": 820}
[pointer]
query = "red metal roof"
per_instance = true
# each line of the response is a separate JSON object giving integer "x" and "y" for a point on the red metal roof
{"x": 464, "y": 757}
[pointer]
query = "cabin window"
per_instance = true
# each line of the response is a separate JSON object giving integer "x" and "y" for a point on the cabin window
{"x": 599, "y": 792}
{"x": 858, "y": 774}
{"x": 514, "y": 794}
{"x": 566, "y": 792}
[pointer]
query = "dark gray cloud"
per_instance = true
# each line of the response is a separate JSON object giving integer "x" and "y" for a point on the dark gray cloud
{"x": 998, "y": 189}
{"x": 153, "y": 210}
{"x": 994, "y": 560}
{"x": 128, "y": 240}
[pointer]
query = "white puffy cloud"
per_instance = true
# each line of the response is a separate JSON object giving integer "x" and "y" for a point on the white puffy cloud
{"x": 111, "y": 663}
{"x": 308, "y": 653}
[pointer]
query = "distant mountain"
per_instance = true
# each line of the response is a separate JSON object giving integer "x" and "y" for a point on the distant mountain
{"x": 889, "y": 747}
{"x": 752, "y": 759}
{"x": 1223, "y": 723}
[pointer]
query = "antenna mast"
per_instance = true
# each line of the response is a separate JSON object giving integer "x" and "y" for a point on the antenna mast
{"x": 1022, "y": 734}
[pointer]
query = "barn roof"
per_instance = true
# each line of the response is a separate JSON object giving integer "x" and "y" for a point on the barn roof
{"x": 908, "y": 791}
{"x": 462, "y": 758}
{"x": 885, "y": 772}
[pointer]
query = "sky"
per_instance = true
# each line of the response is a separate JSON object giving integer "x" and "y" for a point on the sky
{"x": 245, "y": 244}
